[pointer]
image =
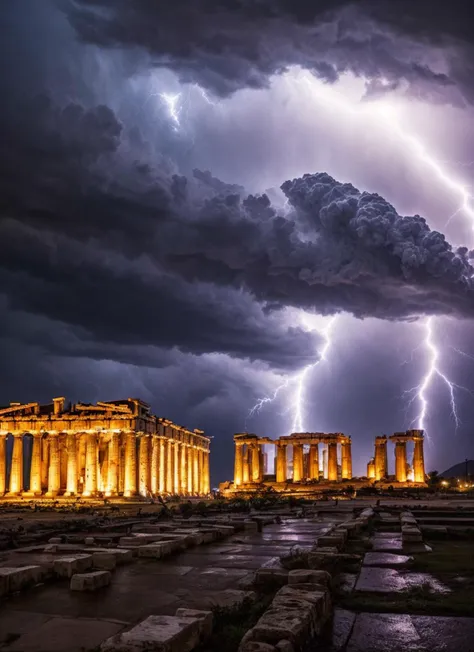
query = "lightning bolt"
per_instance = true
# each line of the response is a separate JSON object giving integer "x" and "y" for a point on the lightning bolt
{"x": 171, "y": 102}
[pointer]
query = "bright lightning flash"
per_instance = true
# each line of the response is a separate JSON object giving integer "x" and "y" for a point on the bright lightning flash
{"x": 171, "y": 102}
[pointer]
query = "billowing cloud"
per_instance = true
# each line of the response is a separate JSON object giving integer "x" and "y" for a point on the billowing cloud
{"x": 227, "y": 46}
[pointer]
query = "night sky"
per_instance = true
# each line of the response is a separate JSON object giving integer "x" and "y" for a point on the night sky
{"x": 201, "y": 198}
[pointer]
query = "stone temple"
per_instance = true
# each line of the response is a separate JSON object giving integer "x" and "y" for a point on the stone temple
{"x": 111, "y": 449}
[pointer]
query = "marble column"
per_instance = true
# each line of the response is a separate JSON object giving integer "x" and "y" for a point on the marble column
{"x": 196, "y": 473}
{"x": 71, "y": 481}
{"x": 177, "y": 469}
{"x": 113, "y": 465}
{"x": 256, "y": 459}
{"x": 297, "y": 462}
{"x": 281, "y": 462}
{"x": 246, "y": 464}
{"x": 183, "y": 478}
{"x": 380, "y": 458}
{"x": 62, "y": 463}
{"x": 155, "y": 466}
{"x": 325, "y": 462}
{"x": 121, "y": 469}
{"x": 54, "y": 479}
{"x": 190, "y": 456}
{"x": 35, "y": 469}
{"x": 163, "y": 465}
{"x": 169, "y": 466}
{"x": 3, "y": 464}
{"x": 371, "y": 469}
{"x": 332, "y": 462}
{"x": 346, "y": 461}
{"x": 206, "y": 475}
{"x": 144, "y": 485}
{"x": 418, "y": 461}
{"x": 16, "y": 469}
{"x": 90, "y": 485}
{"x": 400, "y": 461}
{"x": 44, "y": 464}
{"x": 313, "y": 462}
{"x": 238, "y": 463}
{"x": 81, "y": 462}
{"x": 130, "y": 480}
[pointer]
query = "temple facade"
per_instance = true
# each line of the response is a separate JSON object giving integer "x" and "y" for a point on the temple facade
{"x": 377, "y": 468}
{"x": 304, "y": 464}
{"x": 111, "y": 449}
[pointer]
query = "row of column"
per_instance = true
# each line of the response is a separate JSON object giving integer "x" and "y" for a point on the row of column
{"x": 116, "y": 468}
{"x": 377, "y": 468}
{"x": 249, "y": 462}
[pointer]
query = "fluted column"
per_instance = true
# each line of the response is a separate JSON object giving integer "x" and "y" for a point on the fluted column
{"x": 71, "y": 480}
{"x": 238, "y": 463}
{"x": 325, "y": 462}
{"x": 207, "y": 479}
{"x": 169, "y": 466}
{"x": 246, "y": 464}
{"x": 143, "y": 484}
{"x": 35, "y": 469}
{"x": 44, "y": 464}
{"x": 163, "y": 466}
{"x": 418, "y": 461}
{"x": 380, "y": 458}
{"x": 256, "y": 471}
{"x": 54, "y": 472}
{"x": 196, "y": 478}
{"x": 90, "y": 485}
{"x": 155, "y": 466}
{"x": 297, "y": 462}
{"x": 313, "y": 462}
{"x": 121, "y": 466}
{"x": 371, "y": 469}
{"x": 281, "y": 462}
{"x": 183, "y": 477}
{"x": 113, "y": 465}
{"x": 130, "y": 480}
{"x": 332, "y": 462}
{"x": 16, "y": 469}
{"x": 190, "y": 455}
{"x": 3, "y": 464}
{"x": 177, "y": 469}
{"x": 401, "y": 461}
{"x": 346, "y": 461}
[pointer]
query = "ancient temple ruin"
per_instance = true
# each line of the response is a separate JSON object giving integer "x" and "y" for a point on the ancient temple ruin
{"x": 113, "y": 448}
{"x": 377, "y": 468}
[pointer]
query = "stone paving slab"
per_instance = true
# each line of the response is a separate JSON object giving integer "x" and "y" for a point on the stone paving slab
{"x": 384, "y": 633}
{"x": 387, "y": 544}
{"x": 388, "y": 580}
{"x": 385, "y": 559}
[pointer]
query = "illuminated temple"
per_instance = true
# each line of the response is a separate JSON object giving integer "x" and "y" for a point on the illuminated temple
{"x": 297, "y": 461}
{"x": 111, "y": 449}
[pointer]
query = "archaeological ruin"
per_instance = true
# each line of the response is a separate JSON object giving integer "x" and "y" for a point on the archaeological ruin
{"x": 296, "y": 459}
{"x": 111, "y": 449}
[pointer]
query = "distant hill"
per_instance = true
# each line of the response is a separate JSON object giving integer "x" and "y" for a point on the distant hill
{"x": 459, "y": 470}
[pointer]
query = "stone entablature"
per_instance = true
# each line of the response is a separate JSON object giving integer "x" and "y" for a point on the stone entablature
{"x": 115, "y": 448}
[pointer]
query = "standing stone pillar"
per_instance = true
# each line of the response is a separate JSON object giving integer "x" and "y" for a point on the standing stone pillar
{"x": 380, "y": 458}
{"x": 71, "y": 479}
{"x": 16, "y": 469}
{"x": 62, "y": 463}
{"x": 121, "y": 466}
{"x": 113, "y": 465}
{"x": 238, "y": 463}
{"x": 400, "y": 461}
{"x": 256, "y": 459}
{"x": 196, "y": 478}
{"x": 183, "y": 478}
{"x": 155, "y": 466}
{"x": 189, "y": 452}
{"x": 297, "y": 462}
{"x": 313, "y": 462}
{"x": 44, "y": 463}
{"x": 207, "y": 478}
{"x": 346, "y": 460}
{"x": 143, "y": 485}
{"x": 246, "y": 464}
{"x": 81, "y": 462}
{"x": 418, "y": 460}
{"x": 163, "y": 465}
{"x": 35, "y": 470}
{"x": 177, "y": 468}
{"x": 325, "y": 462}
{"x": 90, "y": 485}
{"x": 54, "y": 473}
{"x": 332, "y": 462}
{"x": 3, "y": 464}
{"x": 130, "y": 480}
{"x": 371, "y": 469}
{"x": 280, "y": 462}
{"x": 169, "y": 466}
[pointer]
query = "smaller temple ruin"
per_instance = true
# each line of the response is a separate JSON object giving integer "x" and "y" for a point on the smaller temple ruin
{"x": 377, "y": 468}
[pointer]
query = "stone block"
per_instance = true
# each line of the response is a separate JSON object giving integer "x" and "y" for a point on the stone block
{"x": 157, "y": 633}
{"x": 331, "y": 540}
{"x": 55, "y": 540}
{"x": 284, "y": 646}
{"x": 104, "y": 560}
{"x": 309, "y": 577}
{"x": 205, "y": 619}
{"x": 271, "y": 576}
{"x": 51, "y": 548}
{"x": 89, "y": 541}
{"x": 251, "y": 526}
{"x": 282, "y": 623}
{"x": 69, "y": 566}
{"x": 256, "y": 646}
{"x": 157, "y": 550}
{"x": 90, "y": 581}
{"x": 314, "y": 594}
{"x": 132, "y": 542}
{"x": 16, "y": 579}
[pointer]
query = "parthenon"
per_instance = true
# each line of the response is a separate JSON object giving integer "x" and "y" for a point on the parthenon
{"x": 250, "y": 460}
{"x": 110, "y": 449}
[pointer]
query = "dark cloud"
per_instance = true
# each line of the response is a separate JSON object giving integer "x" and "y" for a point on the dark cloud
{"x": 230, "y": 45}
